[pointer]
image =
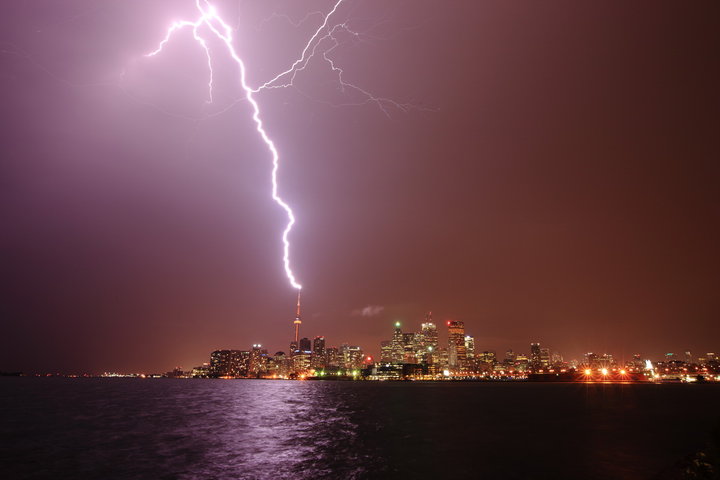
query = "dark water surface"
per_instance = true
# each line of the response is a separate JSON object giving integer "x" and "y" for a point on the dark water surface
{"x": 218, "y": 429}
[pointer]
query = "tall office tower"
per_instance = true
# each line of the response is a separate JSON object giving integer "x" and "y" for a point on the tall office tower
{"x": 352, "y": 356}
{"x": 457, "y": 354}
{"x": 258, "y": 361}
{"x": 333, "y": 356}
{"x": 386, "y": 351}
{"x": 419, "y": 346}
{"x": 398, "y": 344}
{"x": 522, "y": 362}
{"x": 510, "y": 357}
{"x": 556, "y": 359}
{"x": 688, "y": 357}
{"x": 318, "y": 357}
{"x": 274, "y": 364}
{"x": 304, "y": 345}
{"x": 254, "y": 364}
{"x": 535, "y": 355}
{"x": 637, "y": 361}
{"x": 301, "y": 361}
{"x": 443, "y": 357}
{"x": 545, "y": 357}
{"x": 429, "y": 340}
{"x": 409, "y": 348}
{"x": 470, "y": 346}
{"x": 295, "y": 346}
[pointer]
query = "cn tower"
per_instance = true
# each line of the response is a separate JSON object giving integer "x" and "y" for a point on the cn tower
{"x": 297, "y": 321}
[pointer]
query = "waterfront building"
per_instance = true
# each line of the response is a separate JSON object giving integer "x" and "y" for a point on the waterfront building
{"x": 428, "y": 348}
{"x": 229, "y": 363}
{"x": 352, "y": 356}
{"x": 457, "y": 354}
{"x": 333, "y": 357}
{"x": 304, "y": 345}
{"x": 203, "y": 371}
{"x": 257, "y": 362}
{"x": 386, "y": 351}
{"x": 318, "y": 358}
{"x": 409, "y": 348}
{"x": 535, "y": 356}
{"x": 544, "y": 357}
{"x": 398, "y": 344}
{"x": 470, "y": 347}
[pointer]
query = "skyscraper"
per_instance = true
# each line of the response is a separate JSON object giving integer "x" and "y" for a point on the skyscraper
{"x": 352, "y": 356}
{"x": 257, "y": 361}
{"x": 535, "y": 356}
{"x": 386, "y": 351}
{"x": 457, "y": 354}
{"x": 333, "y": 357}
{"x": 397, "y": 344}
{"x": 429, "y": 343}
{"x": 318, "y": 357}
{"x": 409, "y": 348}
{"x": 545, "y": 357}
{"x": 470, "y": 346}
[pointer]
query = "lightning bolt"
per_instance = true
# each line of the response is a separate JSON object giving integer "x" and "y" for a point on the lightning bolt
{"x": 321, "y": 43}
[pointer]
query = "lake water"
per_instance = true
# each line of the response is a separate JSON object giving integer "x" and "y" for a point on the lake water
{"x": 247, "y": 429}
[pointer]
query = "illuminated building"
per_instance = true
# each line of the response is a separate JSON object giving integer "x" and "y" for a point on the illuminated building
{"x": 409, "y": 348}
{"x": 470, "y": 347}
{"x": 429, "y": 340}
{"x": 457, "y": 354}
{"x": 352, "y": 356}
{"x": 522, "y": 362}
{"x": 591, "y": 360}
{"x": 304, "y": 345}
{"x": 545, "y": 357}
{"x": 397, "y": 344}
{"x": 443, "y": 357}
{"x": 535, "y": 356}
{"x": 333, "y": 357}
{"x": 277, "y": 365}
{"x": 318, "y": 357}
{"x": 485, "y": 361}
{"x": 419, "y": 351}
{"x": 229, "y": 363}
{"x": 556, "y": 359}
{"x": 257, "y": 363}
{"x": 386, "y": 351}
{"x": 301, "y": 361}
{"x": 202, "y": 371}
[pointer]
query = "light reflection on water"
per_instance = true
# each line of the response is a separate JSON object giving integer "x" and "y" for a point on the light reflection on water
{"x": 254, "y": 429}
{"x": 277, "y": 429}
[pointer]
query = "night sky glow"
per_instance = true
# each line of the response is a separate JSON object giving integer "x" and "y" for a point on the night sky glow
{"x": 543, "y": 172}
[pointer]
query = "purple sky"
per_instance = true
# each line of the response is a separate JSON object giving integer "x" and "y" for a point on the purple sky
{"x": 559, "y": 184}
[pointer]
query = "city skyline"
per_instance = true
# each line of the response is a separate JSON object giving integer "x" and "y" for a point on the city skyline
{"x": 454, "y": 349}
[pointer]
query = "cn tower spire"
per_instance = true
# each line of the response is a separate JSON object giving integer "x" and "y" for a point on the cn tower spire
{"x": 297, "y": 321}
